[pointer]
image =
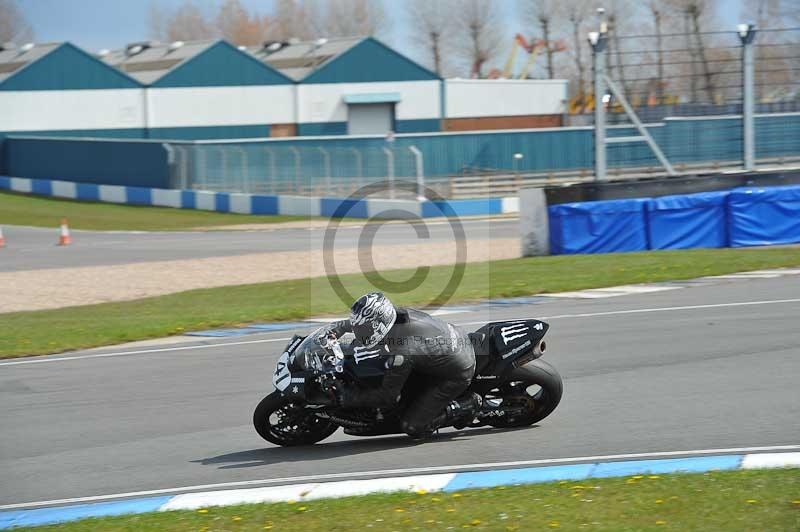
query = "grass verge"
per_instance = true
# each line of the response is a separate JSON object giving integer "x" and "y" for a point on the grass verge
{"x": 21, "y": 209}
{"x": 51, "y": 331}
{"x": 731, "y": 501}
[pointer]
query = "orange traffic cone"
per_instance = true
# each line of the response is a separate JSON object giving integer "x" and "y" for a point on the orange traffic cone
{"x": 2, "y": 238}
{"x": 64, "y": 239}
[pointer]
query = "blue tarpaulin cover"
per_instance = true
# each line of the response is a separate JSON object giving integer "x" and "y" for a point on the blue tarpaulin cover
{"x": 763, "y": 216}
{"x": 688, "y": 221}
{"x": 598, "y": 226}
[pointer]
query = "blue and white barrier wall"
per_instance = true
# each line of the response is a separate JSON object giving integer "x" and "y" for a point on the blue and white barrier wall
{"x": 256, "y": 203}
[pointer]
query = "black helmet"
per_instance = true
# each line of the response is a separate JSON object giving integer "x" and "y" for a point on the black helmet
{"x": 371, "y": 317}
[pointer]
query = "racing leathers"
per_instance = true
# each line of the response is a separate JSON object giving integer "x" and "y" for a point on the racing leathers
{"x": 425, "y": 345}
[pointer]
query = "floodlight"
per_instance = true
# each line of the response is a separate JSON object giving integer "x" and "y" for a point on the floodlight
{"x": 747, "y": 32}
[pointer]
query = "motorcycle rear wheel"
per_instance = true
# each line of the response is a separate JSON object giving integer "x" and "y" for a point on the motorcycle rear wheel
{"x": 549, "y": 389}
{"x": 283, "y": 422}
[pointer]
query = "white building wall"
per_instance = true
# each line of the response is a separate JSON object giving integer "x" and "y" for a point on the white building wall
{"x": 324, "y": 102}
{"x": 472, "y": 98}
{"x": 71, "y": 109}
{"x": 221, "y": 106}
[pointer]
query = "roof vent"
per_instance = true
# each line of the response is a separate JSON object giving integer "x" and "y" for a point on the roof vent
{"x": 273, "y": 46}
{"x": 136, "y": 48}
{"x": 175, "y": 45}
{"x": 26, "y": 47}
{"x": 104, "y": 52}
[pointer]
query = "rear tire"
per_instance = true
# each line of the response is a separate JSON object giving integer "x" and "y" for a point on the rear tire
{"x": 537, "y": 373}
{"x": 301, "y": 426}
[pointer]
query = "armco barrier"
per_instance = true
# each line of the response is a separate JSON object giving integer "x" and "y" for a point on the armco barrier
{"x": 598, "y": 227}
{"x": 688, "y": 221}
{"x": 764, "y": 216}
{"x": 257, "y": 204}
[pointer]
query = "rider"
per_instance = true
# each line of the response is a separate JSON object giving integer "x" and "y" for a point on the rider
{"x": 411, "y": 340}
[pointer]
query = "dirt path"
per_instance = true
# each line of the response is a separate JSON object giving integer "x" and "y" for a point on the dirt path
{"x": 55, "y": 288}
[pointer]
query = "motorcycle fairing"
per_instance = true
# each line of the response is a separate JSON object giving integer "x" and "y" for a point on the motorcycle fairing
{"x": 503, "y": 345}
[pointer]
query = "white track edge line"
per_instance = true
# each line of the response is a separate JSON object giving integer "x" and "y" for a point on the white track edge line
{"x": 245, "y": 342}
{"x": 402, "y": 472}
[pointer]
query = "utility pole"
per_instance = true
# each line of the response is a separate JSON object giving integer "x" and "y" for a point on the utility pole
{"x": 747, "y": 33}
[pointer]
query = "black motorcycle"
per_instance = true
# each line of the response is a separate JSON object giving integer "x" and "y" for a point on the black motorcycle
{"x": 518, "y": 388}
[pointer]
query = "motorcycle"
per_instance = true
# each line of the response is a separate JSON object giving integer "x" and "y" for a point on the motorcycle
{"x": 517, "y": 387}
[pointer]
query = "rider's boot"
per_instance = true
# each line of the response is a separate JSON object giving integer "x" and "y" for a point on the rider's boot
{"x": 462, "y": 411}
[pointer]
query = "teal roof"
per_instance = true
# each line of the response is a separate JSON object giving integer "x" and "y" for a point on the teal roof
{"x": 194, "y": 64}
{"x": 58, "y": 66}
{"x": 369, "y": 61}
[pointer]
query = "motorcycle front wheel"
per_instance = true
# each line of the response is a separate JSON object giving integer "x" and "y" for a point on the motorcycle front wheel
{"x": 536, "y": 388}
{"x": 284, "y": 422}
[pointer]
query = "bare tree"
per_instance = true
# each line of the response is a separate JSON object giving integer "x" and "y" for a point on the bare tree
{"x": 431, "y": 25}
{"x": 766, "y": 13}
{"x": 185, "y": 23}
{"x": 547, "y": 14}
{"x": 237, "y": 25}
{"x": 295, "y": 19}
{"x": 576, "y": 18}
{"x": 347, "y": 18}
{"x": 479, "y": 35}
{"x": 14, "y": 27}
{"x": 656, "y": 10}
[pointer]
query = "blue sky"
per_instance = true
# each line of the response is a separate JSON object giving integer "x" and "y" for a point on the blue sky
{"x": 96, "y": 24}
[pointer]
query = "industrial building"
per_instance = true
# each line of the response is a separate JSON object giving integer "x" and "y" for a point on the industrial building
{"x": 206, "y": 89}
{"x": 215, "y": 90}
{"x": 57, "y": 89}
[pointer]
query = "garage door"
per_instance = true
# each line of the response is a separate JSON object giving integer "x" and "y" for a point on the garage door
{"x": 370, "y": 119}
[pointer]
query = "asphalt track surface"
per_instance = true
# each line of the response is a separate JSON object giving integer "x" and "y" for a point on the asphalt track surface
{"x": 707, "y": 367}
{"x": 33, "y": 248}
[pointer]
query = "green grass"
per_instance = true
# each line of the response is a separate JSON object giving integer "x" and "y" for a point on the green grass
{"x": 20, "y": 209}
{"x": 730, "y": 501}
{"x": 50, "y": 331}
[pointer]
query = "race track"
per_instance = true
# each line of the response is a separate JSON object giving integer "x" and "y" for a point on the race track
{"x": 33, "y": 248}
{"x": 697, "y": 368}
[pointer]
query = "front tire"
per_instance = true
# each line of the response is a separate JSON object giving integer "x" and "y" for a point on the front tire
{"x": 283, "y": 422}
{"x": 548, "y": 389}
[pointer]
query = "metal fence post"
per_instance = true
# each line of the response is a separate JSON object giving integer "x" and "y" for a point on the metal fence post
{"x": 420, "y": 172}
{"x": 390, "y": 170}
{"x": 598, "y": 42}
{"x": 171, "y": 165}
{"x": 326, "y": 158}
{"x": 359, "y": 162}
{"x": 201, "y": 155}
{"x": 747, "y": 33}
{"x": 272, "y": 170}
{"x": 296, "y": 166}
{"x": 245, "y": 175}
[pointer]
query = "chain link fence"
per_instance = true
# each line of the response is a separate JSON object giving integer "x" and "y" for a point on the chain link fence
{"x": 269, "y": 168}
{"x": 669, "y": 104}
